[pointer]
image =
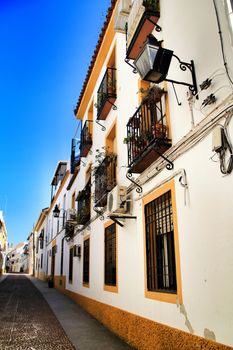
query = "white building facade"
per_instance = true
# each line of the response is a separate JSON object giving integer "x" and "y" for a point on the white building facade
{"x": 152, "y": 258}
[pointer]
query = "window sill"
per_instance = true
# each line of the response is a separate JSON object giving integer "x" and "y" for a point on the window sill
{"x": 164, "y": 297}
{"x": 112, "y": 289}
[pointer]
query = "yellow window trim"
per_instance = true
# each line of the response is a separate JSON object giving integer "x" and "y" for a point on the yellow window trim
{"x": 107, "y": 288}
{"x": 165, "y": 297}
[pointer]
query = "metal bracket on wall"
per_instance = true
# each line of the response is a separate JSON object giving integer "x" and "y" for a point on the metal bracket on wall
{"x": 134, "y": 69}
{"x": 170, "y": 165}
{"x": 129, "y": 177}
{"x": 99, "y": 212}
{"x": 114, "y": 107}
{"x": 184, "y": 66}
{"x": 157, "y": 27}
{"x": 102, "y": 126}
{"x": 118, "y": 217}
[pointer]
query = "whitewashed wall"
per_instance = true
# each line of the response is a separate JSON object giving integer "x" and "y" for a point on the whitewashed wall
{"x": 205, "y": 222}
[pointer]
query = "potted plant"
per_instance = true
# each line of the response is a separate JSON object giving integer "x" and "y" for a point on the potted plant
{"x": 152, "y": 5}
{"x": 50, "y": 280}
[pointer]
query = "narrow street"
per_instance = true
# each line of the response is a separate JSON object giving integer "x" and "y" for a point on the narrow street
{"x": 26, "y": 320}
{"x": 35, "y": 317}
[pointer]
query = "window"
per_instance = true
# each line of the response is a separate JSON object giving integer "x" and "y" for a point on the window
{"x": 71, "y": 265}
{"x": 163, "y": 281}
{"x": 86, "y": 252}
{"x": 160, "y": 252}
{"x": 62, "y": 256}
{"x": 41, "y": 238}
{"x": 64, "y": 211}
{"x": 41, "y": 261}
{"x": 110, "y": 277}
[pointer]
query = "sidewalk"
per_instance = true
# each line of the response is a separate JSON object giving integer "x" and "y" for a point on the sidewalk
{"x": 83, "y": 330}
{"x": 2, "y": 277}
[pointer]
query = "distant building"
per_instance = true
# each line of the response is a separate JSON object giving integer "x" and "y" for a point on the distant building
{"x": 16, "y": 260}
{"x": 3, "y": 242}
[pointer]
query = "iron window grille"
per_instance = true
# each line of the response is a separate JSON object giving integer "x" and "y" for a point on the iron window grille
{"x": 71, "y": 265}
{"x": 107, "y": 91}
{"x": 86, "y": 251}
{"x": 86, "y": 138}
{"x": 160, "y": 249}
{"x": 110, "y": 255}
{"x": 105, "y": 179}
{"x": 75, "y": 155}
{"x": 41, "y": 239}
{"x": 84, "y": 205}
{"x": 147, "y": 127}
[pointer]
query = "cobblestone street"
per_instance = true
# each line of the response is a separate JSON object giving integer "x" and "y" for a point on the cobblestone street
{"x": 26, "y": 320}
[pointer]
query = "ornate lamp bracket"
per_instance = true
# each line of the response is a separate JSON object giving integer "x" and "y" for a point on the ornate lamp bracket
{"x": 184, "y": 66}
{"x": 129, "y": 177}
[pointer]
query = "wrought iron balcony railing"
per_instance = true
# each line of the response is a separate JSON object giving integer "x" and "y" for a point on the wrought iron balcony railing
{"x": 69, "y": 230}
{"x": 143, "y": 17}
{"x": 84, "y": 205}
{"x": 106, "y": 94}
{"x": 147, "y": 132}
{"x": 105, "y": 179}
{"x": 86, "y": 138}
{"x": 75, "y": 156}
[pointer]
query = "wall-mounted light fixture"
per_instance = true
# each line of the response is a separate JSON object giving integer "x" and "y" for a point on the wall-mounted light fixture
{"x": 56, "y": 211}
{"x": 153, "y": 63}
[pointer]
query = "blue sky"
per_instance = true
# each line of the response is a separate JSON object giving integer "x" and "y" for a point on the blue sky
{"x": 45, "y": 50}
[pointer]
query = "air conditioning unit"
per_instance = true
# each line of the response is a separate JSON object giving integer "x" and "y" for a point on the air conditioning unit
{"x": 71, "y": 215}
{"x": 116, "y": 201}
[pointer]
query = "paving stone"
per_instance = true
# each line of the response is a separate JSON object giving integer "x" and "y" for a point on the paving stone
{"x": 26, "y": 320}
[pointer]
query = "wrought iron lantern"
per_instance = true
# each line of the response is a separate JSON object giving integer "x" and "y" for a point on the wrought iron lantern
{"x": 153, "y": 61}
{"x": 56, "y": 211}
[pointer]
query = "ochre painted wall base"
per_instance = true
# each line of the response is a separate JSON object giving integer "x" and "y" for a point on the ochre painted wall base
{"x": 60, "y": 283}
{"x": 140, "y": 332}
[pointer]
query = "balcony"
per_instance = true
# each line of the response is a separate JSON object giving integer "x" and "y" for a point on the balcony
{"x": 105, "y": 179}
{"x": 75, "y": 156}
{"x": 86, "y": 138}
{"x": 69, "y": 230}
{"x": 106, "y": 94}
{"x": 84, "y": 205}
{"x": 147, "y": 132}
{"x": 142, "y": 19}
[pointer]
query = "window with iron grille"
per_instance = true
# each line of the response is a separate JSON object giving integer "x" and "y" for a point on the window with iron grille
{"x": 86, "y": 250}
{"x": 105, "y": 179}
{"x": 41, "y": 238}
{"x": 71, "y": 265}
{"x": 110, "y": 255}
{"x": 160, "y": 250}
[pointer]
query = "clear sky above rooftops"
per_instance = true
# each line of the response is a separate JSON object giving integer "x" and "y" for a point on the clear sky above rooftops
{"x": 45, "y": 50}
